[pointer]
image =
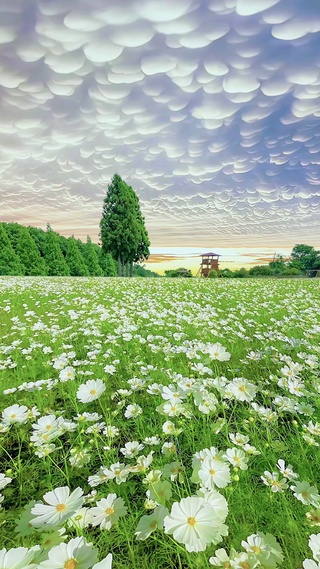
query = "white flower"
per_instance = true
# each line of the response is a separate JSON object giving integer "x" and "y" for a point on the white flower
{"x": 272, "y": 480}
{"x": 110, "y": 369}
{"x": 67, "y": 374}
{"x": 148, "y": 524}
{"x": 4, "y": 481}
{"x": 61, "y": 505}
{"x": 221, "y": 559}
{"x": 214, "y": 473}
{"x": 237, "y": 458}
{"x": 117, "y": 471}
{"x": 314, "y": 544}
{"x": 106, "y": 563}
{"x": 238, "y": 439}
{"x": 76, "y": 554}
{"x": 193, "y": 522}
{"x": 108, "y": 511}
{"x": 132, "y": 411}
{"x": 256, "y": 544}
{"x": 173, "y": 394}
{"x": 81, "y": 519}
{"x": 310, "y": 564}
{"x": 131, "y": 449}
{"x": 18, "y": 558}
{"x": 305, "y": 493}
{"x": 152, "y": 441}
{"x": 15, "y": 414}
{"x": 91, "y": 390}
{"x": 242, "y": 389}
{"x": 218, "y": 352}
{"x": 286, "y": 471}
{"x": 264, "y": 548}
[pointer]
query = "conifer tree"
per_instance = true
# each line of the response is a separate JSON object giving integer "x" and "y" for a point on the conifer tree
{"x": 92, "y": 260}
{"x": 142, "y": 250}
{"x": 121, "y": 224}
{"x": 39, "y": 237}
{"x": 75, "y": 261}
{"x": 9, "y": 261}
{"x": 108, "y": 264}
{"x": 29, "y": 254}
{"x": 54, "y": 258}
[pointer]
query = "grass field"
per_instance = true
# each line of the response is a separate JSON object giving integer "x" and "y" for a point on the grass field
{"x": 204, "y": 387}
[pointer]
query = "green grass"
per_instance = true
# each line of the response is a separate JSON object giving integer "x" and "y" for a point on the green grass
{"x": 275, "y": 318}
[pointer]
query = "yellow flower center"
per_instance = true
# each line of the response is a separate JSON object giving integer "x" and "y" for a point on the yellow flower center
{"x": 153, "y": 524}
{"x": 71, "y": 564}
{"x": 109, "y": 511}
{"x": 242, "y": 388}
{"x": 245, "y": 565}
{"x": 93, "y": 391}
{"x": 48, "y": 427}
{"x": 60, "y": 507}
{"x": 192, "y": 521}
{"x": 212, "y": 471}
{"x": 305, "y": 495}
{"x": 13, "y": 416}
{"x": 256, "y": 549}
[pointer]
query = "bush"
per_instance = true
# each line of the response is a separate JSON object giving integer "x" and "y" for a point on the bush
{"x": 291, "y": 272}
{"x": 226, "y": 274}
{"x": 241, "y": 273}
{"x": 213, "y": 274}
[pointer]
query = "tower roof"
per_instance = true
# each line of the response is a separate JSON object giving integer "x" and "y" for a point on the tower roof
{"x": 209, "y": 254}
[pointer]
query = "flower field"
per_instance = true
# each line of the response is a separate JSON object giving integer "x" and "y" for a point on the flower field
{"x": 156, "y": 423}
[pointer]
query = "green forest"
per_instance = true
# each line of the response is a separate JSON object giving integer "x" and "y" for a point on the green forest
{"x": 31, "y": 251}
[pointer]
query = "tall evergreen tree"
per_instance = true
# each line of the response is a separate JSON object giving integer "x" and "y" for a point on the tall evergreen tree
{"x": 121, "y": 225}
{"x": 75, "y": 261}
{"x": 108, "y": 264}
{"x": 92, "y": 259}
{"x": 29, "y": 254}
{"x": 39, "y": 237}
{"x": 142, "y": 251}
{"x": 9, "y": 261}
{"x": 54, "y": 258}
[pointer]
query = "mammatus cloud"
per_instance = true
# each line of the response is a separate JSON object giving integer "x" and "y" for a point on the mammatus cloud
{"x": 210, "y": 109}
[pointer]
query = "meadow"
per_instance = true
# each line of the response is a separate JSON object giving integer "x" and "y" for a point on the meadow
{"x": 159, "y": 423}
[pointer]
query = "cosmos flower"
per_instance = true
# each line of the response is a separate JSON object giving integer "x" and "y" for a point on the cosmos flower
{"x": 76, "y": 554}
{"x": 148, "y": 524}
{"x": 4, "y": 481}
{"x": 91, "y": 390}
{"x": 15, "y": 414}
{"x": 18, "y": 558}
{"x": 107, "y": 511}
{"x": 194, "y": 523}
{"x": 218, "y": 352}
{"x": 106, "y": 563}
{"x": 306, "y": 493}
{"x": 214, "y": 473}
{"x": 60, "y": 505}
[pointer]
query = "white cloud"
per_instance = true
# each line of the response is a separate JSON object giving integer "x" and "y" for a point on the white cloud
{"x": 209, "y": 109}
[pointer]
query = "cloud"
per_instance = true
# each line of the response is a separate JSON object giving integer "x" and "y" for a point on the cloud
{"x": 210, "y": 110}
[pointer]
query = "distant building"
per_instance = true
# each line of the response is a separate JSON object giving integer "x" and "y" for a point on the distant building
{"x": 209, "y": 262}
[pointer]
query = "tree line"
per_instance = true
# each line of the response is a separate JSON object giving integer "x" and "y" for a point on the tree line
{"x": 31, "y": 251}
{"x": 303, "y": 259}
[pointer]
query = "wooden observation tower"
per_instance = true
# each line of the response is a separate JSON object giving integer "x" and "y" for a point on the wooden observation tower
{"x": 210, "y": 261}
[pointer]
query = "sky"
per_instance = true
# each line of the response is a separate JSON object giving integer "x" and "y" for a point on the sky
{"x": 210, "y": 109}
